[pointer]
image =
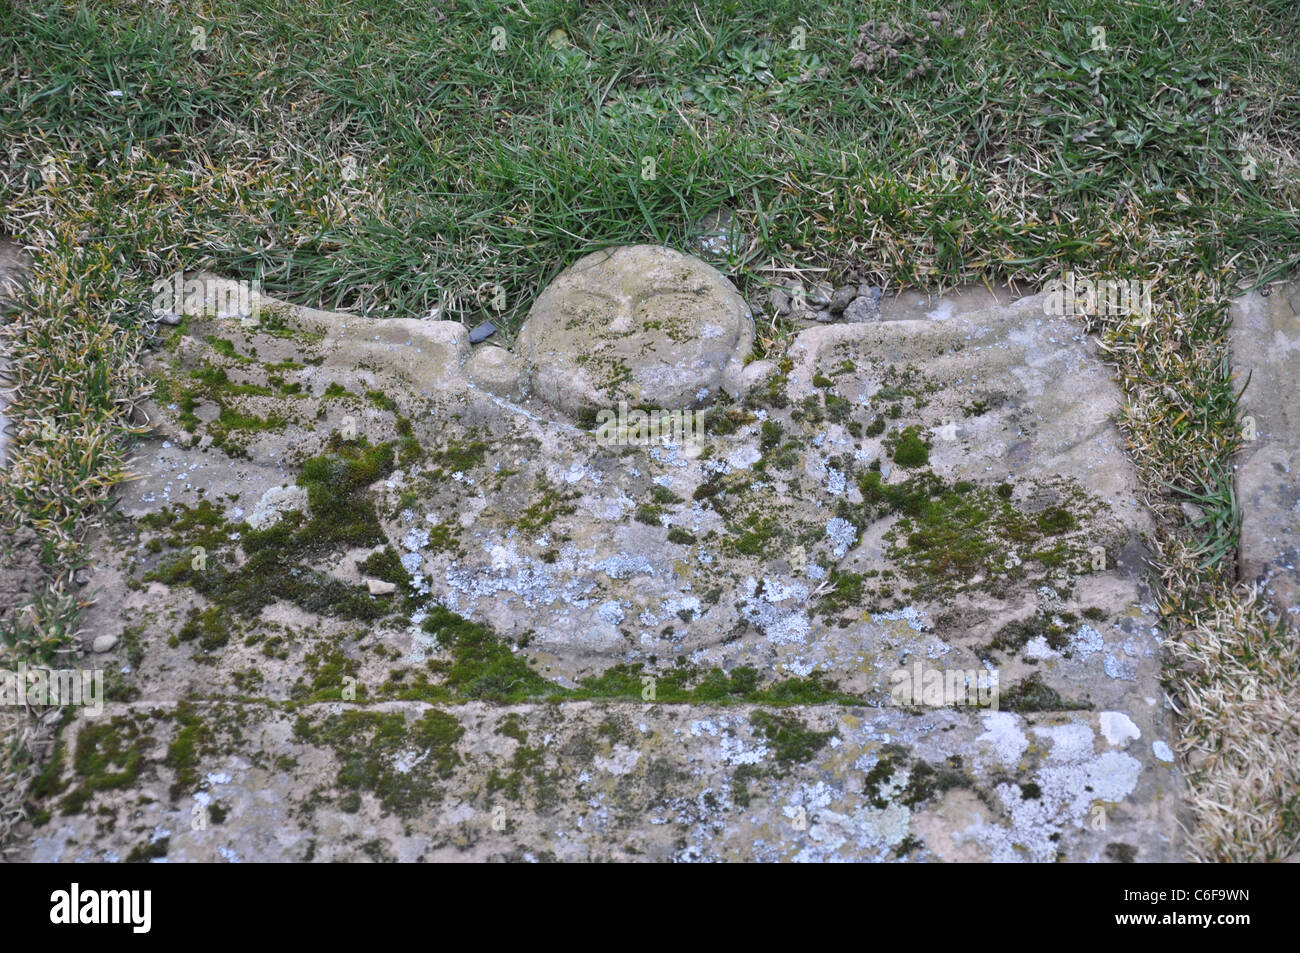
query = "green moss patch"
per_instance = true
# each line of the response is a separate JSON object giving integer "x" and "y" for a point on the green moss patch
{"x": 374, "y": 747}
{"x": 108, "y": 756}
{"x": 947, "y": 535}
{"x": 483, "y": 666}
{"x": 342, "y": 516}
{"x": 911, "y": 451}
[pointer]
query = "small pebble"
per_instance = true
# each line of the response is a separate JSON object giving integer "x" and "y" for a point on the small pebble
{"x": 103, "y": 643}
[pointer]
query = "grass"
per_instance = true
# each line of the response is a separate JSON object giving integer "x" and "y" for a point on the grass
{"x": 382, "y": 157}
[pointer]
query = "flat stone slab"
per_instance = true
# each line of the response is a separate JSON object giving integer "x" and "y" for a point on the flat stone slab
{"x": 897, "y": 585}
{"x": 643, "y": 324}
{"x": 1265, "y": 345}
{"x": 586, "y": 782}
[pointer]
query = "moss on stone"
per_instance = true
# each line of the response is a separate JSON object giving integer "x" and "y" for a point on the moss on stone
{"x": 1033, "y": 694}
{"x": 207, "y": 627}
{"x": 185, "y": 750}
{"x": 911, "y": 450}
{"x": 482, "y": 665}
{"x": 790, "y": 740}
{"x": 368, "y": 745}
{"x": 387, "y": 566}
{"x": 109, "y": 755}
{"x": 341, "y": 515}
{"x": 548, "y": 507}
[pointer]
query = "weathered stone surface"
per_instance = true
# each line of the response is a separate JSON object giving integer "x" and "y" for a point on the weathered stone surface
{"x": 274, "y": 503}
{"x": 643, "y": 324}
{"x": 585, "y": 782}
{"x": 1265, "y": 344}
{"x": 755, "y": 373}
{"x": 779, "y": 299}
{"x": 861, "y": 309}
{"x": 940, "y": 495}
{"x": 496, "y": 371}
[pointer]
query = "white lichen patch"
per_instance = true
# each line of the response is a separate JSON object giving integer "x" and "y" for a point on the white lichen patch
{"x": 842, "y": 535}
{"x": 1004, "y": 737}
{"x": 1118, "y": 728}
{"x": 1086, "y": 641}
{"x": 1067, "y": 787}
{"x": 622, "y": 760}
{"x": 859, "y": 832}
{"x": 274, "y": 503}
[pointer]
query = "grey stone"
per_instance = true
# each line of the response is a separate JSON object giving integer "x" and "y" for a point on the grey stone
{"x": 755, "y": 373}
{"x": 104, "y": 643}
{"x": 1265, "y": 345}
{"x": 595, "y": 585}
{"x": 379, "y": 587}
{"x": 720, "y": 235}
{"x": 643, "y": 324}
{"x": 862, "y": 308}
{"x": 277, "y": 786}
{"x": 823, "y": 315}
{"x": 842, "y": 297}
{"x": 482, "y": 332}
{"x": 819, "y": 295}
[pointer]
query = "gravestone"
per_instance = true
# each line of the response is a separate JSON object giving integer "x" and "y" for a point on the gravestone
{"x": 780, "y": 646}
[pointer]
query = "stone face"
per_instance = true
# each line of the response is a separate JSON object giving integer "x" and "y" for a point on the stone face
{"x": 643, "y": 324}
{"x": 1265, "y": 345}
{"x": 911, "y": 504}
